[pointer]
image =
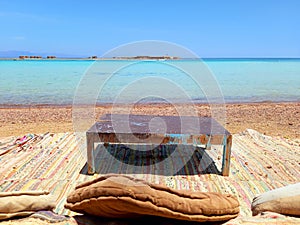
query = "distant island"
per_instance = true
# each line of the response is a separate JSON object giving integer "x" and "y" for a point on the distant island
{"x": 35, "y": 57}
{"x": 148, "y": 57}
{"x": 28, "y": 55}
{"x": 24, "y": 57}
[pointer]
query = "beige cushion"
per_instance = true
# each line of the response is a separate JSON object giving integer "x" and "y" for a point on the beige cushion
{"x": 24, "y": 203}
{"x": 284, "y": 200}
{"x": 119, "y": 196}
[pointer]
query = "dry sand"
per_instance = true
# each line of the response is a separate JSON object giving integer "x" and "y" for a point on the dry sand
{"x": 274, "y": 119}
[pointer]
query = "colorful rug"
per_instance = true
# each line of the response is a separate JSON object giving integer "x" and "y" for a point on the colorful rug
{"x": 57, "y": 162}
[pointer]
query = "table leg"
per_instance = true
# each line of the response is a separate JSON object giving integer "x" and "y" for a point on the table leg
{"x": 90, "y": 153}
{"x": 226, "y": 154}
{"x": 208, "y": 142}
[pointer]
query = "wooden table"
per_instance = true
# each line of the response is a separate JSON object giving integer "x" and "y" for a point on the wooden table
{"x": 144, "y": 129}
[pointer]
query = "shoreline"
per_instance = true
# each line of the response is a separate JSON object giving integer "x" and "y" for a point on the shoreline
{"x": 69, "y": 105}
{"x": 269, "y": 118}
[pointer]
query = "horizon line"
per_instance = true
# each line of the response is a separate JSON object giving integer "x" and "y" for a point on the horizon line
{"x": 133, "y": 58}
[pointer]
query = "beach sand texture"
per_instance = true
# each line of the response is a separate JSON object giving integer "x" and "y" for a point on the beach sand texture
{"x": 275, "y": 119}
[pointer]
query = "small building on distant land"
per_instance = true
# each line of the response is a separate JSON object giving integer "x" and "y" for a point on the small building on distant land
{"x": 25, "y": 57}
{"x": 93, "y": 57}
{"x": 31, "y": 57}
{"x": 51, "y": 57}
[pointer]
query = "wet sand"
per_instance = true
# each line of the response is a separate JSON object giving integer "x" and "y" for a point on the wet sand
{"x": 270, "y": 118}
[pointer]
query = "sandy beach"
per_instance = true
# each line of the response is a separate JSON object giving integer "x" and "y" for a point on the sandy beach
{"x": 270, "y": 118}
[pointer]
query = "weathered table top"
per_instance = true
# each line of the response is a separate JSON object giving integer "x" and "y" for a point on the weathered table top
{"x": 153, "y": 124}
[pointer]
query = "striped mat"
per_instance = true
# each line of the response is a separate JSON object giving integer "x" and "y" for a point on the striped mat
{"x": 57, "y": 162}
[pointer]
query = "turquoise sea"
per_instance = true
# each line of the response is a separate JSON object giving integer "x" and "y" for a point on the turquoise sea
{"x": 58, "y": 81}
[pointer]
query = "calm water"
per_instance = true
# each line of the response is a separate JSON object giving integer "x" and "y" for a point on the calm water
{"x": 58, "y": 81}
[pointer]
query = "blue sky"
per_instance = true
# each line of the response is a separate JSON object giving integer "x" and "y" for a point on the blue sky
{"x": 210, "y": 28}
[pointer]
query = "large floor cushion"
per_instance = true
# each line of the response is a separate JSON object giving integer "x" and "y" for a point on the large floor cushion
{"x": 285, "y": 200}
{"x": 120, "y": 196}
{"x": 13, "y": 204}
